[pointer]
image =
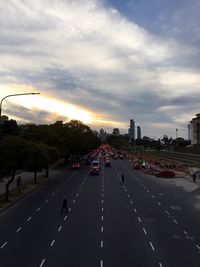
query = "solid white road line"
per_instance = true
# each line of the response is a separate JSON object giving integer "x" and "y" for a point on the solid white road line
{"x": 19, "y": 229}
{"x": 144, "y": 230}
{"x": 59, "y": 228}
{"x": 29, "y": 219}
{"x": 152, "y": 246}
{"x": 4, "y": 244}
{"x": 52, "y": 243}
{"x": 42, "y": 263}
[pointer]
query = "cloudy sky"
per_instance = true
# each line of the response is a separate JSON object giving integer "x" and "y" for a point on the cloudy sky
{"x": 103, "y": 62}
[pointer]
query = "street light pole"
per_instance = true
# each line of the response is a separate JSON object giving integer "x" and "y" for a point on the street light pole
{"x": 1, "y": 103}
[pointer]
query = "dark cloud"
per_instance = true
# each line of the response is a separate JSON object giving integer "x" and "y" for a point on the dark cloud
{"x": 40, "y": 116}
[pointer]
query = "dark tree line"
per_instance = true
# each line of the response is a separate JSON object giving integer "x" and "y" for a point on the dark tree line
{"x": 34, "y": 147}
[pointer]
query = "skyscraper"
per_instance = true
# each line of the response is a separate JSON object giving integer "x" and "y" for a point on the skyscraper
{"x": 138, "y": 132}
{"x": 132, "y": 130}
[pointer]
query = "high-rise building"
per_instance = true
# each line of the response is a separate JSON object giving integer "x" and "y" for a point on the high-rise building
{"x": 138, "y": 132}
{"x": 132, "y": 130}
{"x": 195, "y": 130}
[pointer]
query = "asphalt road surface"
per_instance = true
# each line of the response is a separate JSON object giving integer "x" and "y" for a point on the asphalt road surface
{"x": 143, "y": 222}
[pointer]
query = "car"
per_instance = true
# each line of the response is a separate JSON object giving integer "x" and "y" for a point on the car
{"x": 136, "y": 167}
{"x": 107, "y": 163}
{"x": 165, "y": 174}
{"x": 76, "y": 166}
{"x": 95, "y": 167}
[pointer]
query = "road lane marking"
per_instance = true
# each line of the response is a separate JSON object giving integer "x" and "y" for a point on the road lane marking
{"x": 46, "y": 201}
{"x": 135, "y": 210}
{"x": 102, "y": 195}
{"x": 38, "y": 209}
{"x": 4, "y": 244}
{"x": 101, "y": 244}
{"x": 159, "y": 203}
{"x": 152, "y": 246}
{"x": 131, "y": 202}
{"x": 148, "y": 191}
{"x": 153, "y": 196}
{"x": 19, "y": 229}
{"x": 198, "y": 246}
{"x": 102, "y": 201}
{"x": 128, "y": 195}
{"x": 59, "y": 228}
{"x": 70, "y": 209}
{"x": 167, "y": 212}
{"x": 74, "y": 201}
{"x": 101, "y": 263}
{"x": 65, "y": 218}
{"x": 52, "y": 243}
{"x": 144, "y": 230}
{"x": 160, "y": 264}
{"x": 101, "y": 209}
{"x": 29, "y": 219}
{"x": 185, "y": 233}
{"x": 42, "y": 263}
{"x": 102, "y": 229}
{"x": 139, "y": 219}
{"x": 175, "y": 221}
{"x": 53, "y": 194}
{"x": 77, "y": 194}
{"x": 102, "y": 218}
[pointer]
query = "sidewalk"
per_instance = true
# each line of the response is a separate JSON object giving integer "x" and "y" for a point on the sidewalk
{"x": 26, "y": 177}
{"x": 27, "y": 186}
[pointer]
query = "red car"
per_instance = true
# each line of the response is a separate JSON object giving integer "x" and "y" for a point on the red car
{"x": 76, "y": 166}
{"x": 165, "y": 174}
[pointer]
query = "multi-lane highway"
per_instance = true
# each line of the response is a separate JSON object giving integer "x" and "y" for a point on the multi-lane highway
{"x": 143, "y": 222}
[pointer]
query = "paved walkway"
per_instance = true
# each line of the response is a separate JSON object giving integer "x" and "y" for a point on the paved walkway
{"x": 26, "y": 177}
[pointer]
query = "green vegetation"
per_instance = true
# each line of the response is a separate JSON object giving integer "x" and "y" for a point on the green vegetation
{"x": 34, "y": 147}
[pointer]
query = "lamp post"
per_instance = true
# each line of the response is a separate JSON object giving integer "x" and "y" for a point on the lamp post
{"x": 11, "y": 96}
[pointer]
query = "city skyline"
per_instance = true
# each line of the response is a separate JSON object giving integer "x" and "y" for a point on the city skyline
{"x": 102, "y": 61}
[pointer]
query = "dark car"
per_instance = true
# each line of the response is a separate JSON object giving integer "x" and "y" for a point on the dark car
{"x": 76, "y": 166}
{"x": 165, "y": 174}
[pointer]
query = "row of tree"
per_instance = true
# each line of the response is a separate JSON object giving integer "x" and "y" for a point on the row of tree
{"x": 34, "y": 147}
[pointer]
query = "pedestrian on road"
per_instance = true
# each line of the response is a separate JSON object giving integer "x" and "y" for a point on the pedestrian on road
{"x": 19, "y": 181}
{"x": 122, "y": 178}
{"x": 194, "y": 177}
{"x": 64, "y": 205}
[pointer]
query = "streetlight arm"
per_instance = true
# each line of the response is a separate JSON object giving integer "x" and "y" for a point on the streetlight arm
{"x": 10, "y": 96}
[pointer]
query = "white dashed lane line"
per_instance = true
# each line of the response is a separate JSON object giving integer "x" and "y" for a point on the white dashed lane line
{"x": 135, "y": 210}
{"x": 175, "y": 221}
{"x": 153, "y": 196}
{"x": 52, "y": 243}
{"x": 185, "y": 232}
{"x": 139, "y": 219}
{"x": 4, "y": 244}
{"x": 159, "y": 203}
{"x": 59, "y": 229}
{"x": 101, "y": 263}
{"x": 152, "y": 246}
{"x": 160, "y": 264}
{"x": 102, "y": 229}
{"x": 167, "y": 212}
{"x": 144, "y": 230}
{"x": 101, "y": 244}
{"x": 46, "y": 201}
{"x": 198, "y": 246}
{"x": 29, "y": 219}
{"x": 19, "y": 229}
{"x": 38, "y": 209}
{"x": 42, "y": 263}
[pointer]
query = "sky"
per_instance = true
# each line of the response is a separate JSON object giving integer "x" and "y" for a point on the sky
{"x": 103, "y": 62}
